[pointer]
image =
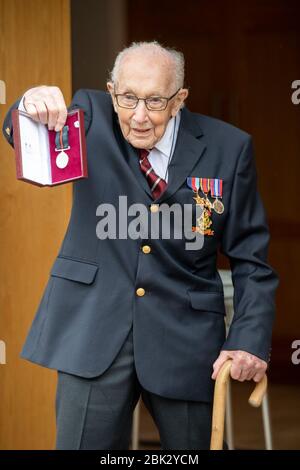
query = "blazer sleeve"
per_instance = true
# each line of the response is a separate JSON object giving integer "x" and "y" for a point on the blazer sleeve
{"x": 7, "y": 127}
{"x": 245, "y": 242}
{"x": 80, "y": 99}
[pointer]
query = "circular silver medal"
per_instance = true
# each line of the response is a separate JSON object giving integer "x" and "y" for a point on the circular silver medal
{"x": 62, "y": 160}
{"x": 218, "y": 206}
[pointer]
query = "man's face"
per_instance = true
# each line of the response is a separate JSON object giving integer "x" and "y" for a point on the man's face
{"x": 145, "y": 78}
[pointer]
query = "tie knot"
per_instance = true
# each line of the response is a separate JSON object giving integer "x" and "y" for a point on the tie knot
{"x": 144, "y": 153}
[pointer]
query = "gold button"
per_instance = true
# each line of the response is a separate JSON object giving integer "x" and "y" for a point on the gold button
{"x": 146, "y": 249}
{"x": 140, "y": 292}
{"x": 7, "y": 130}
{"x": 154, "y": 208}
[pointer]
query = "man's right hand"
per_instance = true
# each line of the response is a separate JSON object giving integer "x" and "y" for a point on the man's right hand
{"x": 46, "y": 104}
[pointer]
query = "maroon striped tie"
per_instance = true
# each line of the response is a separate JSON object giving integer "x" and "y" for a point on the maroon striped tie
{"x": 157, "y": 184}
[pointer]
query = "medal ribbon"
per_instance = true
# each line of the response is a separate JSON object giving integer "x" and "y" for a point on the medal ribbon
{"x": 204, "y": 183}
{"x": 194, "y": 183}
{"x": 62, "y": 138}
{"x": 216, "y": 187}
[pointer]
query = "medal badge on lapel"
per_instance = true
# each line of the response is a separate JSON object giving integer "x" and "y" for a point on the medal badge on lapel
{"x": 214, "y": 186}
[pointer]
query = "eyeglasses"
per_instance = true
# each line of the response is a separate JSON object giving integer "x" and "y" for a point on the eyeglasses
{"x": 154, "y": 103}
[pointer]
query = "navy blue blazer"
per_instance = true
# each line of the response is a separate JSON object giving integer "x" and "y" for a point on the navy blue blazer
{"x": 90, "y": 301}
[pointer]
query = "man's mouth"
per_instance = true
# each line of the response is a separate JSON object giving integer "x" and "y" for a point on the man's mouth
{"x": 141, "y": 131}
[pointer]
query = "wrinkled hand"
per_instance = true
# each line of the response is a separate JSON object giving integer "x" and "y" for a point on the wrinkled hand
{"x": 245, "y": 366}
{"x": 46, "y": 104}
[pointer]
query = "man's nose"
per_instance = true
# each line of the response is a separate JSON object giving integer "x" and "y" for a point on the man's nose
{"x": 140, "y": 114}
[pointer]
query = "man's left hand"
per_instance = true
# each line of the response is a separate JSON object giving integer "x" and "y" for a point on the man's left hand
{"x": 245, "y": 366}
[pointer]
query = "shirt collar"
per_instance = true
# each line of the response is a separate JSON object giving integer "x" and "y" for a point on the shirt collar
{"x": 164, "y": 145}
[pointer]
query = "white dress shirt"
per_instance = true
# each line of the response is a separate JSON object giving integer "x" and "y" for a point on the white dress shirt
{"x": 160, "y": 156}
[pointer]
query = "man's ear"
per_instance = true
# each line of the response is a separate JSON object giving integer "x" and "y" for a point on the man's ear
{"x": 181, "y": 97}
{"x": 110, "y": 88}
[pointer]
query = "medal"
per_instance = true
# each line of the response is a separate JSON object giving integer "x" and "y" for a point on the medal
{"x": 218, "y": 206}
{"x": 204, "y": 221}
{"x": 216, "y": 189}
{"x": 62, "y": 160}
{"x": 62, "y": 144}
{"x": 194, "y": 184}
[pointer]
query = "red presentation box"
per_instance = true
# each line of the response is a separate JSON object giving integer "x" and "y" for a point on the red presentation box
{"x": 43, "y": 157}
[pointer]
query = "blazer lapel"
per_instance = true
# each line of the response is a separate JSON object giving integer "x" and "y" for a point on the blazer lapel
{"x": 188, "y": 150}
{"x": 133, "y": 162}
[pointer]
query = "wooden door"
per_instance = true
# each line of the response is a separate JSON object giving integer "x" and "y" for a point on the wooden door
{"x": 34, "y": 50}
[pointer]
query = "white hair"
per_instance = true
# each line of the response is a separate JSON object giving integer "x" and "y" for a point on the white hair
{"x": 155, "y": 48}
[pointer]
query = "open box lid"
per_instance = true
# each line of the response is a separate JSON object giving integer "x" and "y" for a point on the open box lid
{"x": 39, "y": 159}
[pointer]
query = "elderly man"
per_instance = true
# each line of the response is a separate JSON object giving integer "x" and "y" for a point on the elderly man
{"x": 128, "y": 316}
